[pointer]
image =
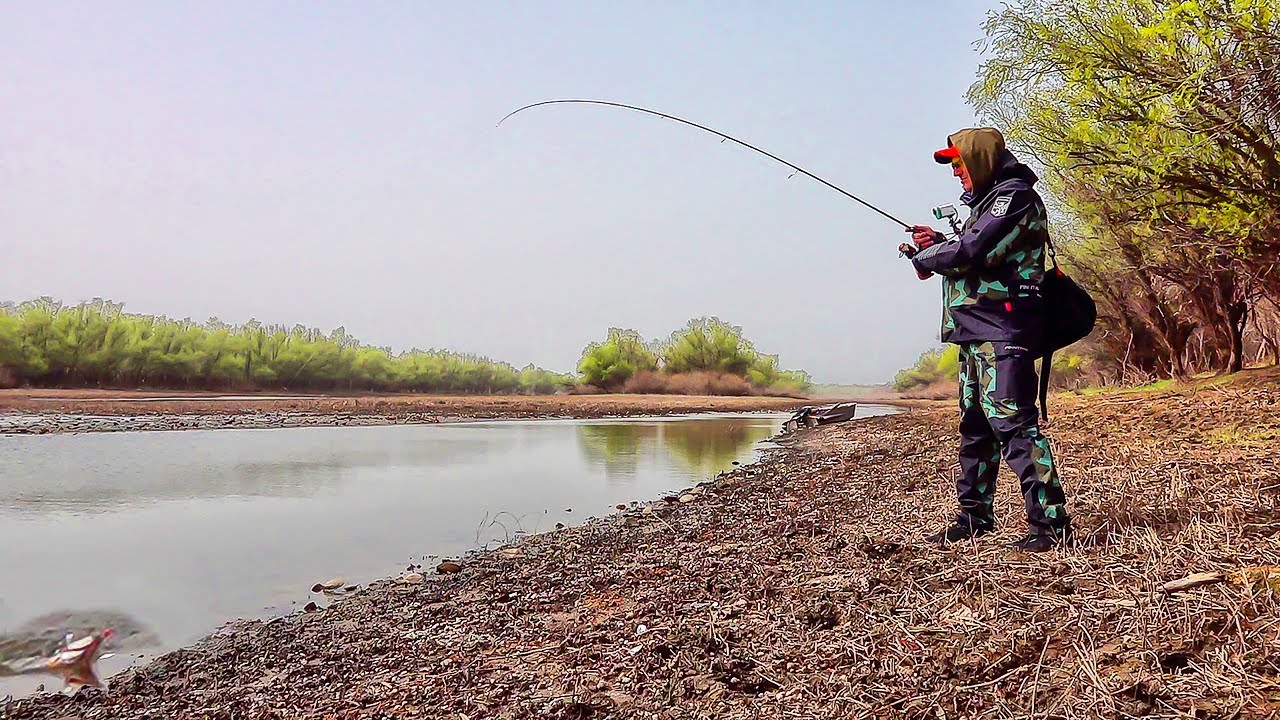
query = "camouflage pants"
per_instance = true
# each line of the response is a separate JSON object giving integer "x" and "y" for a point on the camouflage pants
{"x": 998, "y": 414}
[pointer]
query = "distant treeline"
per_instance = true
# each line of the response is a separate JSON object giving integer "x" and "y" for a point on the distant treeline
{"x": 44, "y": 343}
{"x": 97, "y": 344}
{"x": 706, "y": 357}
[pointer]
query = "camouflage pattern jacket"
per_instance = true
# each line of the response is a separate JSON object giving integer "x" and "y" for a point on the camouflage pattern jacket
{"x": 991, "y": 272}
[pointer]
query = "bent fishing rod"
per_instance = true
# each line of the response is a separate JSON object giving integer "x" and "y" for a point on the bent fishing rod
{"x": 717, "y": 133}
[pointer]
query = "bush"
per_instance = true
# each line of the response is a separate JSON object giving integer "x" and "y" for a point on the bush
{"x": 709, "y": 383}
{"x": 647, "y": 382}
{"x": 764, "y": 374}
{"x": 609, "y": 364}
{"x": 793, "y": 383}
{"x": 693, "y": 383}
{"x": 536, "y": 381}
{"x": 1071, "y": 370}
{"x": 933, "y": 367}
{"x": 706, "y": 357}
{"x": 709, "y": 344}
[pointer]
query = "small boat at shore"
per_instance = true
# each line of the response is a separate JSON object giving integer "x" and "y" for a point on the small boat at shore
{"x": 813, "y": 416}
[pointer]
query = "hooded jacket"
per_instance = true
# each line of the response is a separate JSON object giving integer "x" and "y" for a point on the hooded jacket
{"x": 992, "y": 271}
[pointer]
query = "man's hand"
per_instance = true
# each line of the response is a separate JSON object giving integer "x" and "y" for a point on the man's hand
{"x": 923, "y": 237}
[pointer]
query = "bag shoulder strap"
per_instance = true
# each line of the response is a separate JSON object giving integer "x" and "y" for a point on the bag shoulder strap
{"x": 1053, "y": 252}
{"x": 1046, "y": 366}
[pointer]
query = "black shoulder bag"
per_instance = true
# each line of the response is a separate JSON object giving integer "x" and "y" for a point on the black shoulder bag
{"x": 1069, "y": 316}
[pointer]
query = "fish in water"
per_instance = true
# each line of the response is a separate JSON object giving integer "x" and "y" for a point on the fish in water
{"x": 68, "y": 644}
{"x": 76, "y": 660}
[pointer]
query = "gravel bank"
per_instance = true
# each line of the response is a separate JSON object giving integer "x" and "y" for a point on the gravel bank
{"x": 26, "y": 424}
{"x": 53, "y": 411}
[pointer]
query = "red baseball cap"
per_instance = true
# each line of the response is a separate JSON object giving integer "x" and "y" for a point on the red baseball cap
{"x": 947, "y": 154}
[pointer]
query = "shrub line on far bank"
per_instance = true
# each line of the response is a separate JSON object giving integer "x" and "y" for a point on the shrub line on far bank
{"x": 44, "y": 343}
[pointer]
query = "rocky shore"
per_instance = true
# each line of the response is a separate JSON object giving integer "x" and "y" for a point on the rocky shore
{"x": 800, "y": 587}
{"x": 20, "y": 424}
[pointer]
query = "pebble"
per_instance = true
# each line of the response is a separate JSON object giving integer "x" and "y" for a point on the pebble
{"x": 332, "y": 584}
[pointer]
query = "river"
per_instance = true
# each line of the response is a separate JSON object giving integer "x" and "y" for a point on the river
{"x": 175, "y": 533}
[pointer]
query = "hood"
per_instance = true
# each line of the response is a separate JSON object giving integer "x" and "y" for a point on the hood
{"x": 988, "y": 161}
{"x": 983, "y": 151}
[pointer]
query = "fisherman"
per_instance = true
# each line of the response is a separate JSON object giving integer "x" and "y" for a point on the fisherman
{"x": 991, "y": 274}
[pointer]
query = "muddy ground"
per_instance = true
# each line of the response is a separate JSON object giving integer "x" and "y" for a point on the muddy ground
{"x": 800, "y": 587}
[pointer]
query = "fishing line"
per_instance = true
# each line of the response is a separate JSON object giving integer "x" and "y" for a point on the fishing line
{"x": 719, "y": 134}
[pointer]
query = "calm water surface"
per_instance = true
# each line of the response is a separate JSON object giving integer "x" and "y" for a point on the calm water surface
{"x": 183, "y": 531}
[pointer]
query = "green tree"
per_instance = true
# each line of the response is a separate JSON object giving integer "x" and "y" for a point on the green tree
{"x": 10, "y": 342}
{"x": 932, "y": 366}
{"x": 709, "y": 344}
{"x": 610, "y": 363}
{"x": 765, "y": 373}
{"x": 536, "y": 381}
{"x": 1158, "y": 125}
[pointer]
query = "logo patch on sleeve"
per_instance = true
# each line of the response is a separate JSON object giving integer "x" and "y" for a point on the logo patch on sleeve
{"x": 1001, "y": 205}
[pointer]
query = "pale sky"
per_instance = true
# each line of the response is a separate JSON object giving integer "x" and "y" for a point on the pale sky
{"x": 338, "y": 164}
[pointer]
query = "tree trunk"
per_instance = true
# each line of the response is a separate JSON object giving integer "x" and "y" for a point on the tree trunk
{"x": 1237, "y": 317}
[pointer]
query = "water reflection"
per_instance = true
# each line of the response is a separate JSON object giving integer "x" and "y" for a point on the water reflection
{"x": 698, "y": 447}
{"x": 111, "y": 471}
{"x": 617, "y": 448}
{"x": 707, "y": 449}
{"x": 190, "y": 529}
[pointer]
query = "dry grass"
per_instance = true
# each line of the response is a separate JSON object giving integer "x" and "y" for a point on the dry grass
{"x": 941, "y": 390}
{"x": 694, "y": 383}
{"x": 647, "y": 383}
{"x": 801, "y": 588}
